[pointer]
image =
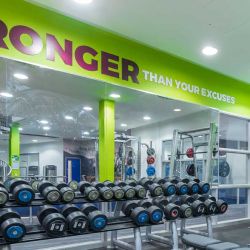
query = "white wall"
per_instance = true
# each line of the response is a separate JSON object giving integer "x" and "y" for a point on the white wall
{"x": 164, "y": 131}
{"x": 50, "y": 153}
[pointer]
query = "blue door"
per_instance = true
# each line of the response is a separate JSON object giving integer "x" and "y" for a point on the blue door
{"x": 75, "y": 169}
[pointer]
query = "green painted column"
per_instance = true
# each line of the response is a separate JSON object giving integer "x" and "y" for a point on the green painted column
{"x": 106, "y": 140}
{"x": 14, "y": 150}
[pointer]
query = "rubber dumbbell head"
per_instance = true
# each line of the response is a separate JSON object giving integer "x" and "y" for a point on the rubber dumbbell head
{"x": 67, "y": 194}
{"x": 73, "y": 185}
{"x": 155, "y": 190}
{"x": 168, "y": 189}
{"x": 140, "y": 216}
{"x": 155, "y": 214}
{"x": 91, "y": 193}
{"x": 145, "y": 203}
{"x": 49, "y": 192}
{"x": 171, "y": 211}
{"x": 34, "y": 184}
{"x": 97, "y": 220}
{"x": 118, "y": 193}
{"x": 22, "y": 191}
{"x": 131, "y": 183}
{"x": 198, "y": 208}
{"x": 4, "y": 195}
{"x": 181, "y": 188}
{"x": 128, "y": 206}
{"x": 222, "y": 206}
{"x": 145, "y": 182}
{"x": 12, "y": 227}
{"x": 150, "y": 151}
{"x": 199, "y": 197}
{"x": 140, "y": 191}
{"x": 108, "y": 184}
{"x": 77, "y": 222}
{"x": 129, "y": 192}
{"x": 193, "y": 187}
{"x": 208, "y": 196}
{"x": 82, "y": 185}
{"x": 106, "y": 193}
{"x": 204, "y": 186}
{"x": 52, "y": 221}
{"x": 120, "y": 183}
{"x": 211, "y": 207}
{"x": 159, "y": 181}
{"x": 160, "y": 202}
{"x": 185, "y": 211}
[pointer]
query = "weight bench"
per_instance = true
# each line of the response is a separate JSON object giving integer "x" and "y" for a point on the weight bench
{"x": 205, "y": 243}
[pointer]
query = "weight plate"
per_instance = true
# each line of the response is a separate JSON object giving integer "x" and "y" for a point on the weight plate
{"x": 224, "y": 168}
{"x": 150, "y": 171}
{"x": 150, "y": 151}
{"x": 190, "y": 153}
{"x": 150, "y": 160}
{"x": 130, "y": 171}
{"x": 190, "y": 169}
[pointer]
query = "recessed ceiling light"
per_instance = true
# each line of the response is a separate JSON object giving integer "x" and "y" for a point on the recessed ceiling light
{"x": 6, "y": 94}
{"x": 124, "y": 125}
{"x": 20, "y": 129}
{"x": 209, "y": 51}
{"x": 68, "y": 117}
{"x": 21, "y": 76}
{"x": 147, "y": 118}
{"x": 35, "y": 140}
{"x": 177, "y": 110}
{"x": 114, "y": 95}
{"x": 43, "y": 122}
{"x": 85, "y": 133}
{"x": 46, "y": 128}
{"x": 83, "y": 1}
{"x": 87, "y": 108}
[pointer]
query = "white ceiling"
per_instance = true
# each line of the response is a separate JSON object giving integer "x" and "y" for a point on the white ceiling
{"x": 51, "y": 95}
{"x": 180, "y": 27}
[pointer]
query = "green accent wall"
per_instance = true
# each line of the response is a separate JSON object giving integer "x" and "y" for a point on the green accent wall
{"x": 14, "y": 150}
{"x": 199, "y": 85}
{"x": 106, "y": 140}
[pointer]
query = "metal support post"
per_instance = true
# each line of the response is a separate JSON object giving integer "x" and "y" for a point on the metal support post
{"x": 104, "y": 235}
{"x": 138, "y": 241}
{"x": 209, "y": 226}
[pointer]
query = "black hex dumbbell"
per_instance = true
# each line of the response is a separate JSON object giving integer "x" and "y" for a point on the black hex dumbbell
{"x": 4, "y": 195}
{"x": 12, "y": 227}
{"x": 171, "y": 210}
{"x": 52, "y": 221}
{"x": 97, "y": 220}
{"x": 138, "y": 214}
{"x": 155, "y": 213}
{"x": 77, "y": 222}
{"x": 67, "y": 194}
{"x": 105, "y": 192}
{"x": 89, "y": 192}
{"x": 22, "y": 191}
{"x": 49, "y": 192}
{"x": 198, "y": 207}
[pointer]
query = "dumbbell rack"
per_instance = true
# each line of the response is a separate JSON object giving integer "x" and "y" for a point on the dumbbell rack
{"x": 35, "y": 232}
